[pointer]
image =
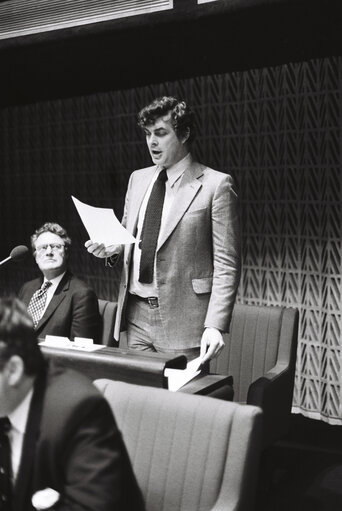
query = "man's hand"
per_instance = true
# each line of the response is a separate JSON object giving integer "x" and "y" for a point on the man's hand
{"x": 99, "y": 250}
{"x": 213, "y": 341}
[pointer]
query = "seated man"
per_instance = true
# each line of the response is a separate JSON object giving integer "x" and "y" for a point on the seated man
{"x": 59, "y": 443}
{"x": 59, "y": 303}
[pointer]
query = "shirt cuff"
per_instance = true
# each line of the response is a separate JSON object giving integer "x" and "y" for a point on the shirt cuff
{"x": 209, "y": 326}
{"x": 110, "y": 261}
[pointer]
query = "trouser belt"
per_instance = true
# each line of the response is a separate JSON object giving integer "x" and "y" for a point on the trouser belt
{"x": 151, "y": 300}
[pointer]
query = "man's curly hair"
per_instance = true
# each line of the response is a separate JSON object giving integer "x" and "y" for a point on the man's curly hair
{"x": 55, "y": 229}
{"x": 182, "y": 117}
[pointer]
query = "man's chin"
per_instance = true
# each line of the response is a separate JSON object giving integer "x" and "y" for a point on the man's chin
{"x": 157, "y": 160}
{"x": 52, "y": 267}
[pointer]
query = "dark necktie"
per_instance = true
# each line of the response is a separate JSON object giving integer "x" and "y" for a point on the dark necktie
{"x": 5, "y": 466}
{"x": 37, "y": 303}
{"x": 151, "y": 227}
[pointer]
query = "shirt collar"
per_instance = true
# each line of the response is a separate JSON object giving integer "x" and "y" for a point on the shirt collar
{"x": 56, "y": 280}
{"x": 19, "y": 416}
{"x": 174, "y": 172}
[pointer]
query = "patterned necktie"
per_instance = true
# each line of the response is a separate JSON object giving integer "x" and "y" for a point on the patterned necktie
{"x": 37, "y": 303}
{"x": 5, "y": 466}
{"x": 151, "y": 227}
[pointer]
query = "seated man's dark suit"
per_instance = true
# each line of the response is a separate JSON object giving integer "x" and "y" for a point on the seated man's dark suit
{"x": 72, "y": 312}
{"x": 72, "y": 445}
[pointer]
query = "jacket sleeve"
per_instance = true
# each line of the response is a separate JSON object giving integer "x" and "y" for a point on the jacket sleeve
{"x": 94, "y": 468}
{"x": 226, "y": 255}
{"x": 85, "y": 320}
{"x": 114, "y": 258}
{"x": 22, "y": 294}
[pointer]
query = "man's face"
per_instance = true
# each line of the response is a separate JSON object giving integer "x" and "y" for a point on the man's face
{"x": 165, "y": 147}
{"x": 50, "y": 254}
{"x": 14, "y": 384}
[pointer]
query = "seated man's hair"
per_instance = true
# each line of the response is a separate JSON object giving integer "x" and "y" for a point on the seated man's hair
{"x": 18, "y": 337}
{"x": 182, "y": 118}
{"x": 55, "y": 229}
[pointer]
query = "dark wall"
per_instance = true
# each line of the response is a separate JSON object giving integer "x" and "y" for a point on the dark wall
{"x": 189, "y": 40}
{"x": 276, "y": 128}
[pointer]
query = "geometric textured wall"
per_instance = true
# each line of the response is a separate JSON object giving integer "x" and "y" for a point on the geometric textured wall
{"x": 276, "y": 130}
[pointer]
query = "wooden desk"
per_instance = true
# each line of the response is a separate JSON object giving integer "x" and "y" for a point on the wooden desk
{"x": 118, "y": 364}
{"x": 139, "y": 368}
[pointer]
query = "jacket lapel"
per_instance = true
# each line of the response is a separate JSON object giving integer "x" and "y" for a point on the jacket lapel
{"x": 57, "y": 298}
{"x": 23, "y": 485}
{"x": 31, "y": 288}
{"x": 143, "y": 179}
{"x": 187, "y": 191}
{"x": 142, "y": 182}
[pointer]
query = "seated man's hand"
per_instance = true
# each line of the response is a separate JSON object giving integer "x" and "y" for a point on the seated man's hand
{"x": 211, "y": 344}
{"x": 99, "y": 250}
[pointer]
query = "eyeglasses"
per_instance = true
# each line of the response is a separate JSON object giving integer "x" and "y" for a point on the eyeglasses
{"x": 55, "y": 247}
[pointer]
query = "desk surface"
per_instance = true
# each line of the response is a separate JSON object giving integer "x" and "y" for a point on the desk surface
{"x": 138, "y": 367}
{"x": 118, "y": 364}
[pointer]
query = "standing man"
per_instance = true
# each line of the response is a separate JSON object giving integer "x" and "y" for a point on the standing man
{"x": 59, "y": 443}
{"x": 180, "y": 278}
{"x": 59, "y": 303}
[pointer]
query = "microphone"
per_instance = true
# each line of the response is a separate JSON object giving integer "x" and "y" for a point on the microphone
{"x": 17, "y": 254}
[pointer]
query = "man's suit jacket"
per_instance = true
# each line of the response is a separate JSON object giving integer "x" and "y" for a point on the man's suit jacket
{"x": 72, "y": 312}
{"x": 72, "y": 445}
{"x": 198, "y": 254}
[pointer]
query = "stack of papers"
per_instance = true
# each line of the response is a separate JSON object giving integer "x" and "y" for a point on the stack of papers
{"x": 177, "y": 378}
{"x": 80, "y": 343}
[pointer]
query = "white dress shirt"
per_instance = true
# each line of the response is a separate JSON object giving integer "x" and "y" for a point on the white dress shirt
{"x": 174, "y": 175}
{"x": 18, "y": 419}
{"x": 51, "y": 290}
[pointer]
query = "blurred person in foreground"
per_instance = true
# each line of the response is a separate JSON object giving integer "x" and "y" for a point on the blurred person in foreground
{"x": 65, "y": 449}
{"x": 179, "y": 280}
{"x": 59, "y": 303}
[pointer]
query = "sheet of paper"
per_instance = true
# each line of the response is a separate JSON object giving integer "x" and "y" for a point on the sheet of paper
{"x": 89, "y": 347}
{"x": 85, "y": 344}
{"x": 179, "y": 377}
{"x": 102, "y": 225}
{"x": 55, "y": 341}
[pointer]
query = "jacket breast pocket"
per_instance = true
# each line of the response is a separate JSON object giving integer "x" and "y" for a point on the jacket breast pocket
{"x": 202, "y": 286}
{"x": 197, "y": 211}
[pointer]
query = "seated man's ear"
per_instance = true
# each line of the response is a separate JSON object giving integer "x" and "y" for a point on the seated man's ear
{"x": 186, "y": 135}
{"x": 14, "y": 370}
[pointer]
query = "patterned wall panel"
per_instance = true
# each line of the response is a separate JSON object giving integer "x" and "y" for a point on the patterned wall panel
{"x": 276, "y": 130}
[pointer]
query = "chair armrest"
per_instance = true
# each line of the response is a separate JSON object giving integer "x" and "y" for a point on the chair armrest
{"x": 213, "y": 385}
{"x": 273, "y": 394}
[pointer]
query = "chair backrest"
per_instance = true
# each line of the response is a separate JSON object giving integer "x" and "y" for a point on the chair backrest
{"x": 107, "y": 312}
{"x": 259, "y": 338}
{"x": 189, "y": 453}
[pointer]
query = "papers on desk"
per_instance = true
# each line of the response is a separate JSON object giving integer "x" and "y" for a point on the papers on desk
{"x": 80, "y": 343}
{"x": 102, "y": 225}
{"x": 56, "y": 341}
{"x": 177, "y": 378}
